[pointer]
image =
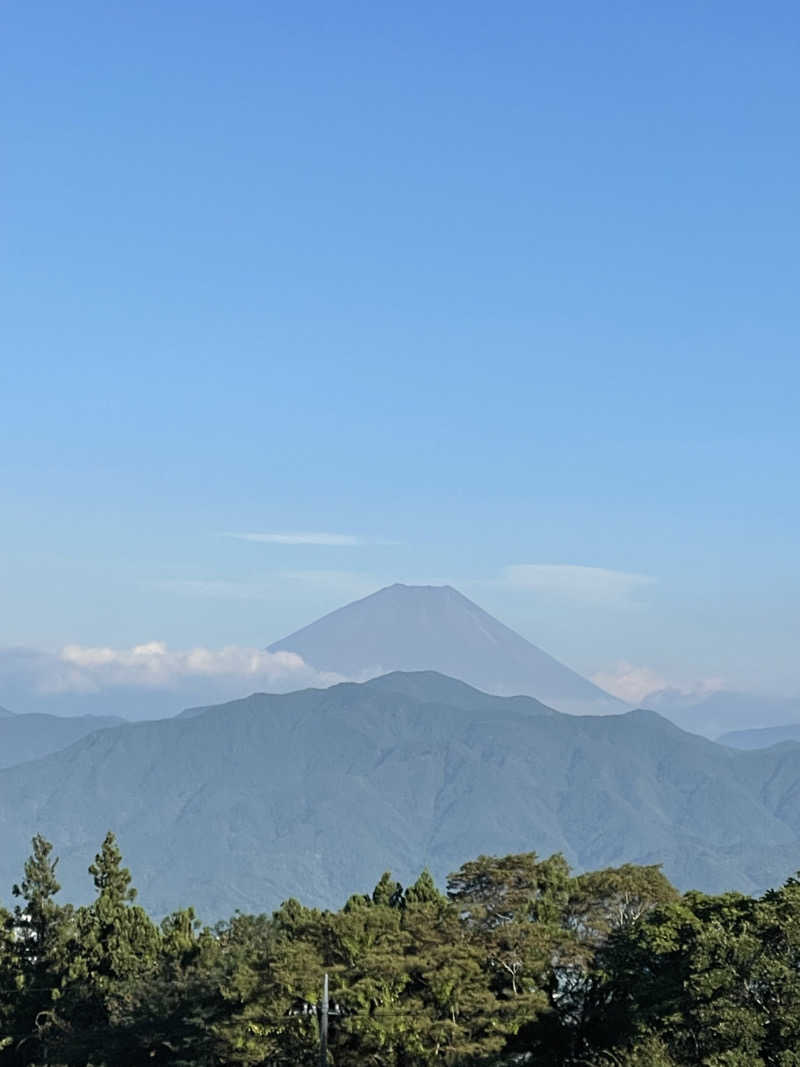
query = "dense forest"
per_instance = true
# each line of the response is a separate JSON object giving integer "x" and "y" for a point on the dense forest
{"x": 518, "y": 962}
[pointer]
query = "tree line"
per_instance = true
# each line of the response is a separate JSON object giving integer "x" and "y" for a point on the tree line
{"x": 519, "y": 962}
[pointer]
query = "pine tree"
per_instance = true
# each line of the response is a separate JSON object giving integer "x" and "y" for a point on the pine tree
{"x": 387, "y": 892}
{"x": 117, "y": 950}
{"x": 39, "y": 946}
{"x": 424, "y": 891}
{"x": 119, "y": 939}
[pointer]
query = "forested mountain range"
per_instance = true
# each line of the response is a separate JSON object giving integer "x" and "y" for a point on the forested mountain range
{"x": 248, "y": 803}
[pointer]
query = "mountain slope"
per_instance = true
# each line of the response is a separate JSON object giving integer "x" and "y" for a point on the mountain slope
{"x": 416, "y": 628}
{"x": 315, "y": 793}
{"x": 29, "y": 737}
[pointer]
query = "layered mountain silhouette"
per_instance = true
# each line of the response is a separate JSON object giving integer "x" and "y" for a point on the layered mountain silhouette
{"x": 28, "y": 737}
{"x": 314, "y": 793}
{"x": 726, "y": 712}
{"x": 416, "y": 627}
{"x": 761, "y": 738}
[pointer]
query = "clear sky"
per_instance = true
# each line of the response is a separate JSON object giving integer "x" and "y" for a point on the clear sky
{"x": 494, "y": 293}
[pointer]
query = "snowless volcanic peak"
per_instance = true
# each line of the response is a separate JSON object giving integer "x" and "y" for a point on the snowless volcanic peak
{"x": 427, "y": 627}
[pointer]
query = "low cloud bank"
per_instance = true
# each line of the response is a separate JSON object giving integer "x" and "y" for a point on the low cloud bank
{"x": 150, "y": 678}
{"x": 87, "y": 668}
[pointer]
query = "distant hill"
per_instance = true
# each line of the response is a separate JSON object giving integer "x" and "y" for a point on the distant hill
{"x": 122, "y": 702}
{"x": 416, "y": 628}
{"x": 29, "y": 737}
{"x": 723, "y": 710}
{"x": 315, "y": 793}
{"x": 763, "y": 738}
{"x": 5, "y": 713}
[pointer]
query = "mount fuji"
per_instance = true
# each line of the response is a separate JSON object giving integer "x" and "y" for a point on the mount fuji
{"x": 424, "y": 627}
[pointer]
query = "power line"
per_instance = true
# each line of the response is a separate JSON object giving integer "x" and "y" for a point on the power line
{"x": 323, "y": 1024}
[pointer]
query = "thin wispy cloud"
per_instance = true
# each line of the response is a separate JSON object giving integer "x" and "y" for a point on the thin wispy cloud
{"x": 334, "y": 540}
{"x": 216, "y": 588}
{"x": 346, "y": 583}
{"x": 598, "y": 584}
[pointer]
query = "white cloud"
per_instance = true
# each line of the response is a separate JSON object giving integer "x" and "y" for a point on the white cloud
{"x": 597, "y": 584}
{"x": 153, "y": 664}
{"x": 332, "y": 539}
{"x": 632, "y": 683}
{"x": 93, "y": 669}
{"x": 628, "y": 682}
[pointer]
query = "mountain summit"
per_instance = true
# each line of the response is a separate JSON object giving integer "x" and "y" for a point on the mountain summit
{"x": 427, "y": 627}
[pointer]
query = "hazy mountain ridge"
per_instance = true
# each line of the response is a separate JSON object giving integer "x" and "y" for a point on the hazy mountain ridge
{"x": 29, "y": 737}
{"x": 723, "y": 711}
{"x": 764, "y": 737}
{"x": 310, "y": 793}
{"x": 419, "y": 628}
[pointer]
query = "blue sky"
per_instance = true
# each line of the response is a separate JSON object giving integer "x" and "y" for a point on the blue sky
{"x": 492, "y": 293}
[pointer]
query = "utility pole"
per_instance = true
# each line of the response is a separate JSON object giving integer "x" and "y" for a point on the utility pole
{"x": 323, "y": 1025}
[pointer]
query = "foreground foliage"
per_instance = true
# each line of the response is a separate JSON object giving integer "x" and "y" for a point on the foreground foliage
{"x": 519, "y": 962}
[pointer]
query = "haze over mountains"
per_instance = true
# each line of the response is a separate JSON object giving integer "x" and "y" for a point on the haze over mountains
{"x": 761, "y": 738}
{"x": 28, "y": 737}
{"x": 415, "y": 628}
{"x": 400, "y": 627}
{"x": 726, "y": 714}
{"x": 315, "y": 792}
{"x": 312, "y": 792}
